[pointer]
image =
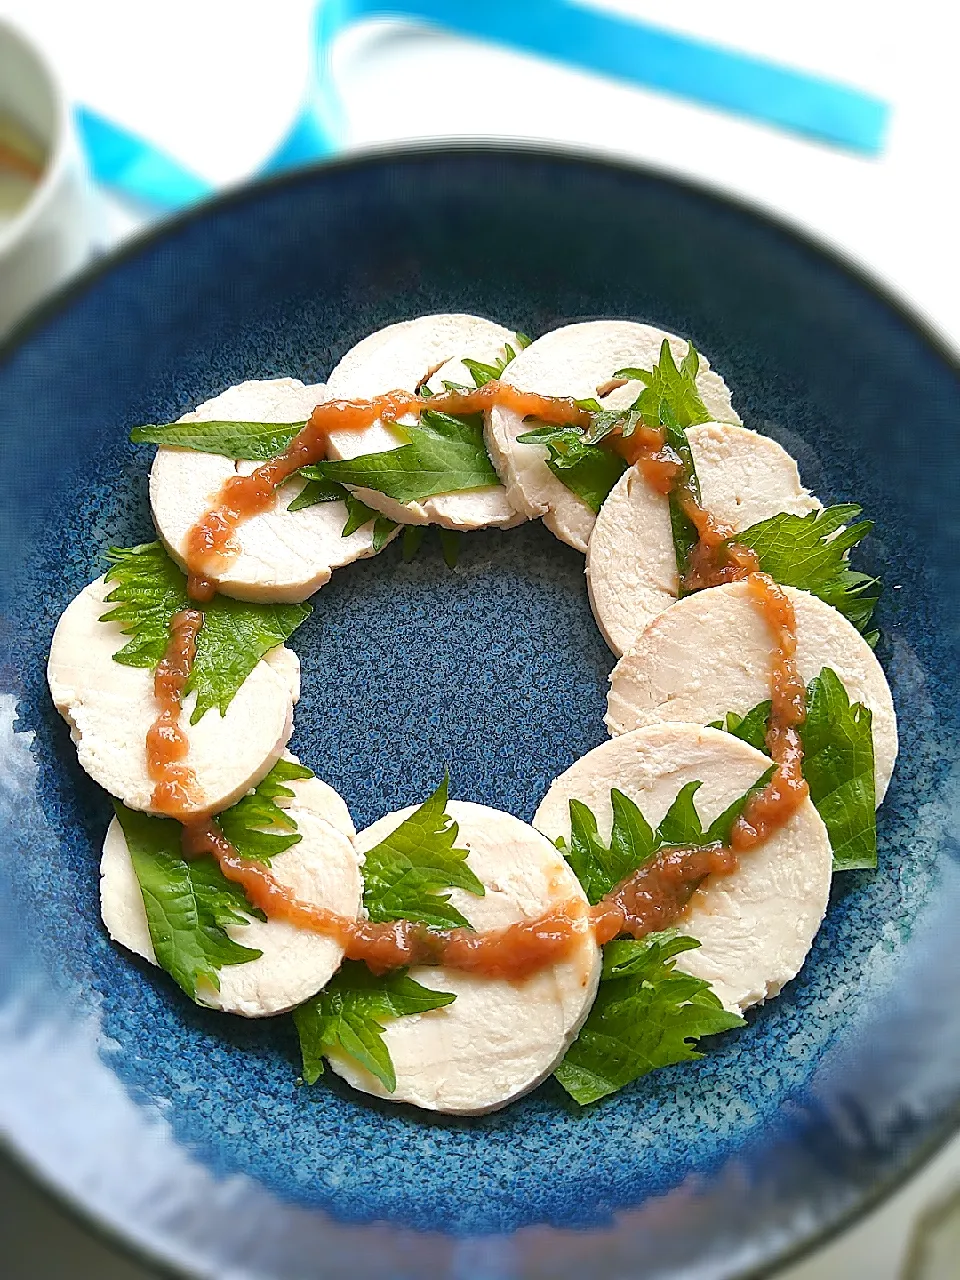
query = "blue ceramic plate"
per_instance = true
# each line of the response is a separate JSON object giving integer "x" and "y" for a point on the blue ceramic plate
{"x": 185, "y": 1131}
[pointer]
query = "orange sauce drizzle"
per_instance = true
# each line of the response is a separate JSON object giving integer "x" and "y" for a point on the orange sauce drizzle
{"x": 167, "y": 745}
{"x": 715, "y": 558}
{"x": 653, "y": 897}
{"x": 777, "y": 801}
{"x": 647, "y": 450}
{"x": 211, "y": 544}
{"x": 514, "y": 952}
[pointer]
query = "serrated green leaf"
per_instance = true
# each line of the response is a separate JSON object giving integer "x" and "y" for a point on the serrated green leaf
{"x": 358, "y": 514}
{"x": 670, "y": 399}
{"x": 150, "y": 589}
{"x": 682, "y": 528}
{"x": 284, "y": 771}
{"x": 383, "y": 530}
{"x": 587, "y": 853}
{"x": 647, "y": 1015}
{"x": 626, "y": 957}
{"x": 315, "y": 491}
{"x": 222, "y": 900}
{"x": 482, "y": 373}
{"x": 405, "y": 875}
{"x": 632, "y": 840}
{"x": 810, "y": 552}
{"x": 603, "y": 422}
{"x": 633, "y": 843}
{"x": 347, "y": 1017}
{"x": 681, "y": 823}
{"x": 234, "y": 637}
{"x": 600, "y": 868}
{"x": 450, "y": 547}
{"x": 253, "y": 441}
{"x": 670, "y": 391}
{"x": 838, "y": 765}
{"x": 188, "y": 904}
{"x": 587, "y": 470}
{"x": 450, "y": 542}
{"x": 751, "y": 728}
{"x": 249, "y": 441}
{"x": 413, "y": 536}
{"x": 256, "y": 826}
{"x": 444, "y": 455}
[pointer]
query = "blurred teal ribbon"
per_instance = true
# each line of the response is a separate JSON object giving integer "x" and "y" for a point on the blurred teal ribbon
{"x": 134, "y": 167}
{"x": 593, "y": 40}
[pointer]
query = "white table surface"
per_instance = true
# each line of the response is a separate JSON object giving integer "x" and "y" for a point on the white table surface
{"x": 217, "y": 82}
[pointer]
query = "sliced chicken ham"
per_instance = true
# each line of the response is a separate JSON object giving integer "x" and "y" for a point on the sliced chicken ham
{"x": 498, "y": 1039}
{"x": 631, "y": 563}
{"x": 578, "y": 360}
{"x": 756, "y": 925}
{"x": 711, "y": 653}
{"x": 110, "y": 707}
{"x": 323, "y": 870}
{"x": 426, "y": 352}
{"x": 284, "y": 555}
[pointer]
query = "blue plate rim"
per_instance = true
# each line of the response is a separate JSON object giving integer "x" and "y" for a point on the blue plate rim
{"x": 923, "y": 326}
{"x": 361, "y": 157}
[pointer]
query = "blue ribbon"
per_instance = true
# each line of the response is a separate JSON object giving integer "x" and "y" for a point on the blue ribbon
{"x": 605, "y": 43}
{"x": 121, "y": 160}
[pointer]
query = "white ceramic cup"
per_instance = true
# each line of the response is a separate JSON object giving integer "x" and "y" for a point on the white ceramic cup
{"x": 51, "y": 235}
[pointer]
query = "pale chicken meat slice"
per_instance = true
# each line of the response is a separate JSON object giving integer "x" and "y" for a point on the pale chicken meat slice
{"x": 426, "y": 352}
{"x": 322, "y": 870}
{"x": 110, "y": 708}
{"x": 756, "y": 925}
{"x": 712, "y": 652}
{"x": 320, "y": 798}
{"x": 579, "y": 361}
{"x": 499, "y": 1038}
{"x": 631, "y": 562}
{"x": 285, "y": 555}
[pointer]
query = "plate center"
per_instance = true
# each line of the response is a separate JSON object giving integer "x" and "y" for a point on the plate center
{"x": 494, "y": 670}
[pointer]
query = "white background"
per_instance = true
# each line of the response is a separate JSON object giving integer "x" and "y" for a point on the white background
{"x": 217, "y": 83}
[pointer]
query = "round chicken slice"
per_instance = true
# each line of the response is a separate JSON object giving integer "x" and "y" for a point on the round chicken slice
{"x": 498, "y": 1039}
{"x": 631, "y": 563}
{"x": 284, "y": 555}
{"x": 322, "y": 870}
{"x": 426, "y": 352}
{"x": 320, "y": 798}
{"x": 110, "y": 707}
{"x": 711, "y": 653}
{"x": 579, "y": 360}
{"x": 754, "y": 926}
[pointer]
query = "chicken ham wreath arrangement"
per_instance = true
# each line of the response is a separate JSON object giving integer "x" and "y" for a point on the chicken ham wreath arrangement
{"x": 450, "y": 955}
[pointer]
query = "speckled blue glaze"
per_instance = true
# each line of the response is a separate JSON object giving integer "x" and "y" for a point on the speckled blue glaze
{"x": 185, "y": 1131}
